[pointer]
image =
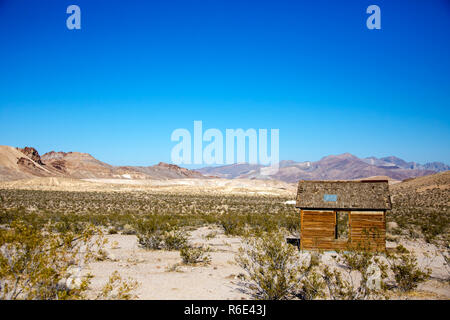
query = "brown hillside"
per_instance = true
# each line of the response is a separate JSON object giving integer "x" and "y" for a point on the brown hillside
{"x": 17, "y": 163}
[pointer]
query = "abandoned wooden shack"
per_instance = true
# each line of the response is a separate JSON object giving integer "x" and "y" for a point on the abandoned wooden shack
{"x": 339, "y": 215}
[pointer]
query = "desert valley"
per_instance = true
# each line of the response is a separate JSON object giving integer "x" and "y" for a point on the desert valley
{"x": 172, "y": 233}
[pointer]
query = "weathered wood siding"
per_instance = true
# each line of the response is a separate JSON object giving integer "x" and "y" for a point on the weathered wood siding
{"x": 368, "y": 229}
{"x": 318, "y": 230}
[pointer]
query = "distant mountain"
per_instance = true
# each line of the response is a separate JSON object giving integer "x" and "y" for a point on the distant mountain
{"x": 397, "y": 162}
{"x": 334, "y": 167}
{"x": 436, "y": 166}
{"x": 17, "y": 163}
{"x": 231, "y": 171}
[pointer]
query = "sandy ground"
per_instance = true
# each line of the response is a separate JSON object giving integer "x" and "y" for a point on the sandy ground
{"x": 187, "y": 186}
{"x": 218, "y": 280}
{"x": 152, "y": 268}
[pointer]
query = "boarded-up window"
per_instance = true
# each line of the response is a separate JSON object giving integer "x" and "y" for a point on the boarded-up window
{"x": 342, "y": 225}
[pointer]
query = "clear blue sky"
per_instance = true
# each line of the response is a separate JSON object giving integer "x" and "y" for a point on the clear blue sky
{"x": 137, "y": 70}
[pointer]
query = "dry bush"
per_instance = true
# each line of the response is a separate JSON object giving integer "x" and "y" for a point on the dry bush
{"x": 155, "y": 235}
{"x": 231, "y": 224}
{"x": 407, "y": 273}
{"x": 195, "y": 255}
{"x": 35, "y": 262}
{"x": 272, "y": 267}
{"x": 275, "y": 270}
{"x": 361, "y": 276}
{"x": 118, "y": 289}
{"x": 40, "y": 263}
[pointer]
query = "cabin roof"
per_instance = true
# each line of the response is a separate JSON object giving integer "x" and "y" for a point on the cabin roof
{"x": 344, "y": 195}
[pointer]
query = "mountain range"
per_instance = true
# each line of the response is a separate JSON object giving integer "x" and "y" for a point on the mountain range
{"x": 23, "y": 163}
{"x": 17, "y": 163}
{"x": 334, "y": 167}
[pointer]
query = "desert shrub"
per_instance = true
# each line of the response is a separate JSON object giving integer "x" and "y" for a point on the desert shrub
{"x": 362, "y": 277}
{"x": 261, "y": 223}
{"x": 406, "y": 271}
{"x": 128, "y": 229}
{"x": 194, "y": 255}
{"x": 149, "y": 234}
{"x": 292, "y": 224}
{"x": 34, "y": 262}
{"x": 432, "y": 224}
{"x": 151, "y": 241}
{"x": 155, "y": 235}
{"x": 118, "y": 289}
{"x": 276, "y": 270}
{"x": 231, "y": 224}
{"x": 435, "y": 225}
{"x": 38, "y": 263}
{"x": 272, "y": 266}
{"x": 174, "y": 239}
{"x": 311, "y": 285}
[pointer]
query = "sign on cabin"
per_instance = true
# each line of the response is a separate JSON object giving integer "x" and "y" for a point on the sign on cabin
{"x": 330, "y": 197}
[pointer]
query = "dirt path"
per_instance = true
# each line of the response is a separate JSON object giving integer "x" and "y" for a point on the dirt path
{"x": 152, "y": 269}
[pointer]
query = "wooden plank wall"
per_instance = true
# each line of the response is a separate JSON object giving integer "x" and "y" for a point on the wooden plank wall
{"x": 366, "y": 229}
{"x": 318, "y": 231}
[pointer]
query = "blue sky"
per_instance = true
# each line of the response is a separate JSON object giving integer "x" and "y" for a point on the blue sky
{"x": 137, "y": 70}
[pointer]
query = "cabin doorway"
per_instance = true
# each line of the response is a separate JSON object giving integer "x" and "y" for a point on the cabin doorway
{"x": 342, "y": 225}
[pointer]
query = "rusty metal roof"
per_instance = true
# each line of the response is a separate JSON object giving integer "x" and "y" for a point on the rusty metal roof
{"x": 344, "y": 195}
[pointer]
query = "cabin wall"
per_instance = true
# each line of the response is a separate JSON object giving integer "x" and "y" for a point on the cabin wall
{"x": 318, "y": 230}
{"x": 368, "y": 229}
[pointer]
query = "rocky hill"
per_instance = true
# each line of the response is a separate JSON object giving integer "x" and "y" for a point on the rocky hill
{"x": 17, "y": 163}
{"x": 429, "y": 192}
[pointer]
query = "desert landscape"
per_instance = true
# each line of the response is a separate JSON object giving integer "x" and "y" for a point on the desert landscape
{"x": 181, "y": 236}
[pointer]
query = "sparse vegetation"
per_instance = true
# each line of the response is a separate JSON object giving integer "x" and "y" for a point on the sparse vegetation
{"x": 194, "y": 255}
{"x": 146, "y": 213}
{"x": 422, "y": 210}
{"x": 406, "y": 271}
{"x": 272, "y": 267}
{"x": 39, "y": 262}
{"x": 118, "y": 289}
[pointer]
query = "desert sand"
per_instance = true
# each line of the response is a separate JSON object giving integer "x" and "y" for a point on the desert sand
{"x": 161, "y": 274}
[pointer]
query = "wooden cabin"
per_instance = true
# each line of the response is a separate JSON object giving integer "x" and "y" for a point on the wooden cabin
{"x": 340, "y": 215}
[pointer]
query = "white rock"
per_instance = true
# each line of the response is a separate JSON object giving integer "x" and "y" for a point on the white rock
{"x": 374, "y": 279}
{"x": 73, "y": 282}
{"x": 111, "y": 257}
{"x": 392, "y": 225}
